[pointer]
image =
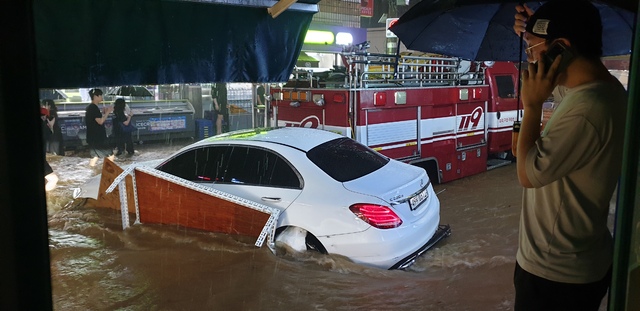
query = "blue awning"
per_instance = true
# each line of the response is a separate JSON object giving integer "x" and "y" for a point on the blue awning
{"x": 120, "y": 42}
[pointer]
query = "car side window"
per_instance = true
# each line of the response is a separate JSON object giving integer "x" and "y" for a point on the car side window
{"x": 205, "y": 164}
{"x": 257, "y": 166}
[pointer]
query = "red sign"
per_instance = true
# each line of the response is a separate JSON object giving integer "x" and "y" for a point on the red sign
{"x": 366, "y": 8}
{"x": 390, "y": 22}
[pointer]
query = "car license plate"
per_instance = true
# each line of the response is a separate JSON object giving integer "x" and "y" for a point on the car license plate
{"x": 417, "y": 199}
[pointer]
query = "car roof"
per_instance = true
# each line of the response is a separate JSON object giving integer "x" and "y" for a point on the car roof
{"x": 296, "y": 137}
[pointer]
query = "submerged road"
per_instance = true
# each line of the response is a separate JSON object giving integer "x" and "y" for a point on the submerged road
{"x": 95, "y": 265}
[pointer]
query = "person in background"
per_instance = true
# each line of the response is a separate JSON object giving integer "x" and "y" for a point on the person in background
{"x": 50, "y": 178}
{"x": 219, "y": 97}
{"x": 55, "y": 144}
{"x": 570, "y": 170}
{"x": 261, "y": 105}
{"x": 261, "y": 94}
{"x": 122, "y": 117}
{"x": 46, "y": 131}
{"x": 96, "y": 132}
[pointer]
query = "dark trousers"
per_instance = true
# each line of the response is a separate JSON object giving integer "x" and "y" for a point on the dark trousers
{"x": 536, "y": 293}
{"x": 122, "y": 140}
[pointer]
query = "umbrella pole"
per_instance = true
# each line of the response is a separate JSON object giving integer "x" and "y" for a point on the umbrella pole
{"x": 395, "y": 69}
{"x": 517, "y": 123}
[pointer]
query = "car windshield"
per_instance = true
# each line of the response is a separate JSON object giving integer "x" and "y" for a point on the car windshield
{"x": 344, "y": 159}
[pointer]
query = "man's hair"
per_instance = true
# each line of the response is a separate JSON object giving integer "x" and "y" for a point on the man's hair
{"x": 577, "y": 21}
{"x": 95, "y": 92}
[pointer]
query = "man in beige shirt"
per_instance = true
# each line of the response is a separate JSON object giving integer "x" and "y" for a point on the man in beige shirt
{"x": 571, "y": 169}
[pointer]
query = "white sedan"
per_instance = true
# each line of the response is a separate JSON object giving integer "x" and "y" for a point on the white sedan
{"x": 342, "y": 196}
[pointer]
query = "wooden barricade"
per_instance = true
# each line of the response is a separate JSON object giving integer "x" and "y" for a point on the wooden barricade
{"x": 164, "y": 202}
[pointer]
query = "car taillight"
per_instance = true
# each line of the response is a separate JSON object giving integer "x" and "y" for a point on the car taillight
{"x": 379, "y": 216}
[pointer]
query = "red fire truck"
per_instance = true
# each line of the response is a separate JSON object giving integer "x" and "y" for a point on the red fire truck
{"x": 452, "y": 117}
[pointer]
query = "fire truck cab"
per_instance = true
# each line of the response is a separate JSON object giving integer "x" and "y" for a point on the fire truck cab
{"x": 452, "y": 117}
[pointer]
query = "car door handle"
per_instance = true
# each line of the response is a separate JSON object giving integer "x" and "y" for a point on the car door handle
{"x": 270, "y": 199}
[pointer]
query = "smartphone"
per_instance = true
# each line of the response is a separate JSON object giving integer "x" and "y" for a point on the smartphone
{"x": 557, "y": 48}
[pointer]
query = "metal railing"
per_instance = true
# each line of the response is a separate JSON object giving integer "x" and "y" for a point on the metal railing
{"x": 375, "y": 70}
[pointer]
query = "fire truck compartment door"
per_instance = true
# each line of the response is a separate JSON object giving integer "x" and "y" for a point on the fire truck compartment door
{"x": 470, "y": 120}
{"x": 393, "y": 132}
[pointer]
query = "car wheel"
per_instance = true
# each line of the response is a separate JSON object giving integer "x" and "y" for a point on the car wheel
{"x": 313, "y": 244}
{"x": 299, "y": 239}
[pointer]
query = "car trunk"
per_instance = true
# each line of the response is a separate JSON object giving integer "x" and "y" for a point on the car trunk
{"x": 397, "y": 187}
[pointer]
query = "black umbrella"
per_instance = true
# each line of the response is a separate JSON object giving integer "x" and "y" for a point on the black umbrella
{"x": 131, "y": 90}
{"x": 483, "y": 30}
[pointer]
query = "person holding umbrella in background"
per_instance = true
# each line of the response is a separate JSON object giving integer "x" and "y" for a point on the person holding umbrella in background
{"x": 570, "y": 170}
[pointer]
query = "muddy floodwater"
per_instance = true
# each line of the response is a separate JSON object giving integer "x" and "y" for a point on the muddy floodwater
{"x": 95, "y": 265}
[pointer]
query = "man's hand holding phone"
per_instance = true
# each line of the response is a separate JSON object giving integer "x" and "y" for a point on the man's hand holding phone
{"x": 538, "y": 82}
